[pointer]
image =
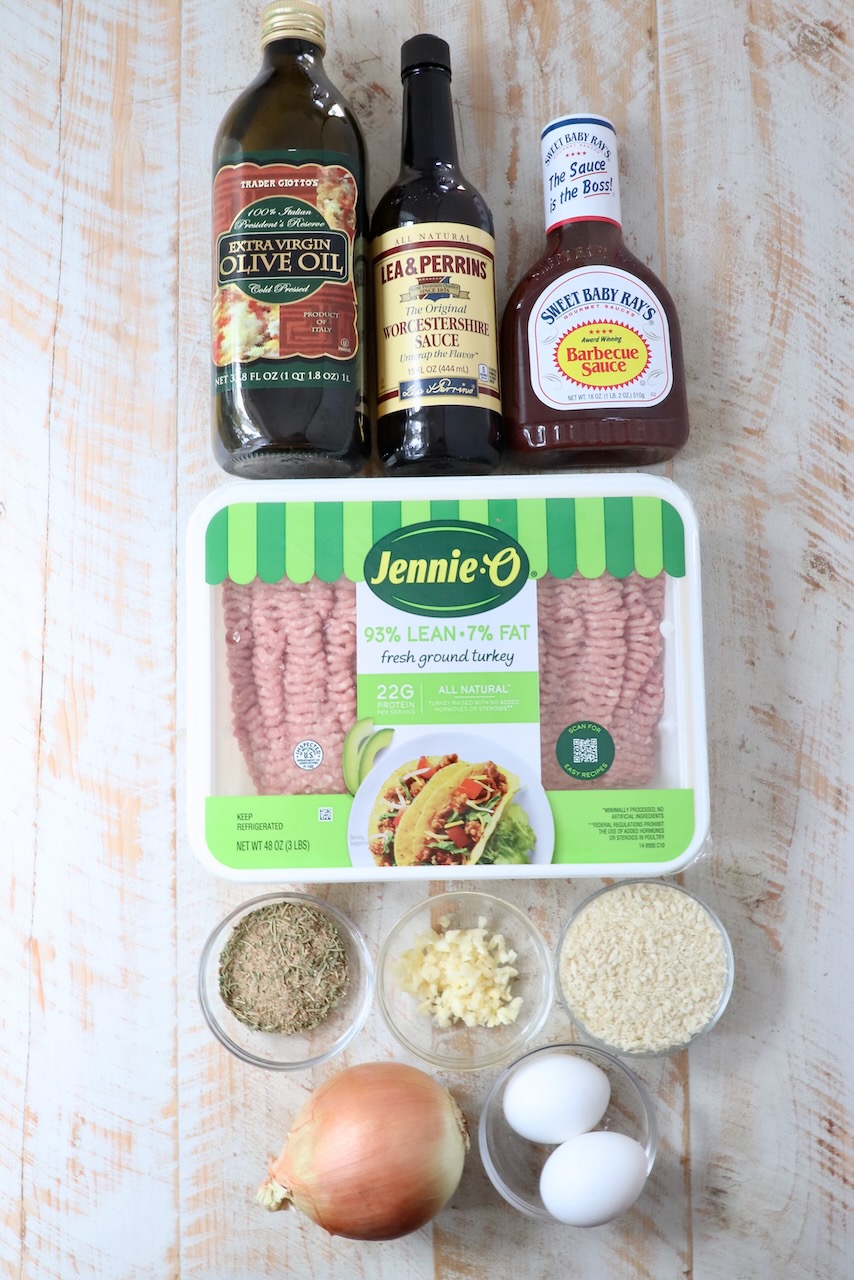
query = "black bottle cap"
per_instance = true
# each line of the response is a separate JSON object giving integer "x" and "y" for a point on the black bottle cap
{"x": 423, "y": 51}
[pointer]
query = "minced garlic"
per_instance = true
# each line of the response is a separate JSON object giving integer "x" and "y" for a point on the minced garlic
{"x": 461, "y": 975}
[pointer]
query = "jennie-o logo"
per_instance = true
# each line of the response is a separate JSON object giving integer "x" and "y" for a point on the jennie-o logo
{"x": 602, "y": 355}
{"x": 451, "y": 567}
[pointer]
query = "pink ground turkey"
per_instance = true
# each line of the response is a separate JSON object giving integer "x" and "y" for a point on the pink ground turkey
{"x": 291, "y": 654}
{"x": 601, "y": 655}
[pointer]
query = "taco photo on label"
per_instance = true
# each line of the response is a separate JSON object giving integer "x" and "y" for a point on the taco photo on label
{"x": 451, "y": 821}
{"x": 399, "y": 792}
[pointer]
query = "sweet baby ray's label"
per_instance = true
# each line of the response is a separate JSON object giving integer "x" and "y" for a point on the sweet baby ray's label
{"x": 581, "y": 177}
{"x": 434, "y": 289}
{"x": 444, "y": 685}
{"x": 599, "y": 336}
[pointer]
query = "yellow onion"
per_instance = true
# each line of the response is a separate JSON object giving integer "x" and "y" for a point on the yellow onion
{"x": 374, "y": 1154}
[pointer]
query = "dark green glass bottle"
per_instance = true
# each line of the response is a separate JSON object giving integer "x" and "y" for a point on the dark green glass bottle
{"x": 289, "y": 243}
{"x": 432, "y": 249}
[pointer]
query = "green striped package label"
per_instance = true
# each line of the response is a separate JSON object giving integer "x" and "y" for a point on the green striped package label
{"x": 330, "y": 540}
{"x": 447, "y": 639}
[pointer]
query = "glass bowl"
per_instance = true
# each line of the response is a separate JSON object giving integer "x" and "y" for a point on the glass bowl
{"x": 513, "y": 1164}
{"x": 276, "y": 1050}
{"x": 458, "y": 1047}
{"x": 649, "y": 979}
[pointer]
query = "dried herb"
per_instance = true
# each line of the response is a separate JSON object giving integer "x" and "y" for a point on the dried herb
{"x": 284, "y": 968}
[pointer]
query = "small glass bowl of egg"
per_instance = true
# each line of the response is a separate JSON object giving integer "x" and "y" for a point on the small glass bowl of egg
{"x": 465, "y": 980}
{"x": 568, "y": 1134}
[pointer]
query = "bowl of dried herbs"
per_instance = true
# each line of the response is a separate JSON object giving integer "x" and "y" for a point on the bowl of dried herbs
{"x": 286, "y": 981}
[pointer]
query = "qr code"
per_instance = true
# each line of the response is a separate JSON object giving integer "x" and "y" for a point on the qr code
{"x": 585, "y": 751}
{"x": 324, "y": 814}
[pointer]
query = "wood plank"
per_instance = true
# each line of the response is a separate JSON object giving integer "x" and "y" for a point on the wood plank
{"x": 30, "y": 200}
{"x": 100, "y": 1126}
{"x": 768, "y": 362}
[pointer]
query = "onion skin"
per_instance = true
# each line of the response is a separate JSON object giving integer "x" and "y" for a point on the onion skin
{"x": 374, "y": 1154}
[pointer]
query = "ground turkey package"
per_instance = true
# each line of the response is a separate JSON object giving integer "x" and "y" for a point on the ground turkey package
{"x": 403, "y": 679}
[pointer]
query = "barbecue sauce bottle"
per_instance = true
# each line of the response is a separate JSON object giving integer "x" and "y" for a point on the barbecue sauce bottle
{"x": 432, "y": 247}
{"x": 289, "y": 246}
{"x": 591, "y": 351}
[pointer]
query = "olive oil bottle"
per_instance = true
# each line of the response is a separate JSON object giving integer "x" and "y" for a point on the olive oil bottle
{"x": 432, "y": 249}
{"x": 289, "y": 261}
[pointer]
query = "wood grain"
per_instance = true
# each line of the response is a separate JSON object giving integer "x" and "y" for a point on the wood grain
{"x": 98, "y": 1116}
{"x": 32, "y": 277}
{"x": 130, "y": 1142}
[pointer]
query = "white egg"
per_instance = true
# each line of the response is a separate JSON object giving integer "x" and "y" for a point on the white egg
{"x": 554, "y": 1096}
{"x": 593, "y": 1178}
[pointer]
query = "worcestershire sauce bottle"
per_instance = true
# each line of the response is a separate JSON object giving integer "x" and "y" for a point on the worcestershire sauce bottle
{"x": 289, "y": 246}
{"x": 432, "y": 247}
{"x": 590, "y": 343}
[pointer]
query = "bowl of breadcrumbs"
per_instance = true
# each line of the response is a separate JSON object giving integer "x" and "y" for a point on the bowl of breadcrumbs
{"x": 644, "y": 968}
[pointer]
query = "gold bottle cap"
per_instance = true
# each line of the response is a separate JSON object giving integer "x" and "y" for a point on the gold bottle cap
{"x": 293, "y": 20}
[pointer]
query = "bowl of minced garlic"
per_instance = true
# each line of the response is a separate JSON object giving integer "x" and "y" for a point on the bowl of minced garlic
{"x": 286, "y": 981}
{"x": 644, "y": 968}
{"x": 464, "y": 980}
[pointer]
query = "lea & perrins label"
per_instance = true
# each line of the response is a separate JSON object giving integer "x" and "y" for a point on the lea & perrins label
{"x": 434, "y": 289}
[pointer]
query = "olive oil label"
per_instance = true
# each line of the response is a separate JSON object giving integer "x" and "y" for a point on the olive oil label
{"x": 285, "y": 304}
{"x": 434, "y": 290}
{"x": 581, "y": 180}
{"x": 599, "y": 336}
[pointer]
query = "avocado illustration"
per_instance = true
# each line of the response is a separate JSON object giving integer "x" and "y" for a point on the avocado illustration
{"x": 357, "y": 735}
{"x": 371, "y": 750}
